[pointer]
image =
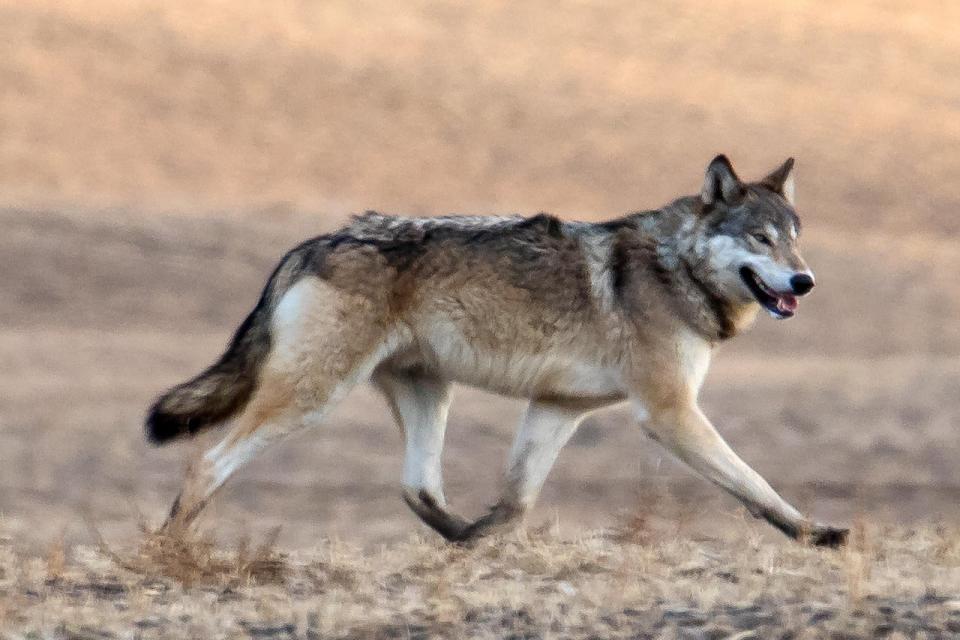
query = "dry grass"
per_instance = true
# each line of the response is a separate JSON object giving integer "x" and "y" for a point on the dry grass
{"x": 191, "y": 559}
{"x": 890, "y": 581}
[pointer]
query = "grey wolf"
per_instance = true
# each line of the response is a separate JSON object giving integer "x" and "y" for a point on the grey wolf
{"x": 572, "y": 316}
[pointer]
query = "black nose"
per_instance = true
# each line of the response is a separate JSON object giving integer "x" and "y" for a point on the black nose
{"x": 801, "y": 283}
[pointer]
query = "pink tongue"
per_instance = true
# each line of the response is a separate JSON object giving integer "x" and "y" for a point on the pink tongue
{"x": 787, "y": 302}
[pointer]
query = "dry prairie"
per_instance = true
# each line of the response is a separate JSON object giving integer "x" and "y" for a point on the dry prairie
{"x": 635, "y": 582}
{"x": 156, "y": 158}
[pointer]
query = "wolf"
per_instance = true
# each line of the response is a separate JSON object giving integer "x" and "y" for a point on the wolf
{"x": 572, "y": 316}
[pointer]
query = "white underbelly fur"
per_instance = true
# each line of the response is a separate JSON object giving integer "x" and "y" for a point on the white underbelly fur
{"x": 515, "y": 372}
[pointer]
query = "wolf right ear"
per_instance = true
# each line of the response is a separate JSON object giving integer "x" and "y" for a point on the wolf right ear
{"x": 721, "y": 183}
{"x": 781, "y": 181}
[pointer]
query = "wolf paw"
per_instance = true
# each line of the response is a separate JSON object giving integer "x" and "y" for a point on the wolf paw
{"x": 447, "y": 524}
{"x": 827, "y": 536}
{"x": 501, "y": 518}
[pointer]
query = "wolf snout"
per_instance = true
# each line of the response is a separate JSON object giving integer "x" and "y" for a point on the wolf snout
{"x": 802, "y": 283}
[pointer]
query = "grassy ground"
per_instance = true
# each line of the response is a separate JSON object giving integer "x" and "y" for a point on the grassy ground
{"x": 630, "y": 583}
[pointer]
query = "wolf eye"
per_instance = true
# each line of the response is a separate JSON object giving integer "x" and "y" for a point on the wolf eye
{"x": 762, "y": 239}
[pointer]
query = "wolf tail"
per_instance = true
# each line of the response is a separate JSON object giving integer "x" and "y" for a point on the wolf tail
{"x": 225, "y": 388}
{"x": 218, "y": 393}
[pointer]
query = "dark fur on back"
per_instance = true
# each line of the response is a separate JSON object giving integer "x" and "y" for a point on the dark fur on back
{"x": 527, "y": 248}
{"x": 223, "y": 390}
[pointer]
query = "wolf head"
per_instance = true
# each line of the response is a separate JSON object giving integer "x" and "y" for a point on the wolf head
{"x": 745, "y": 241}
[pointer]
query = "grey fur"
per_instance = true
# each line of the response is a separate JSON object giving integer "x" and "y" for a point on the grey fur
{"x": 570, "y": 315}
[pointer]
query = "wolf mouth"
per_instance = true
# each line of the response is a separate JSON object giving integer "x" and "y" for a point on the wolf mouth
{"x": 780, "y": 305}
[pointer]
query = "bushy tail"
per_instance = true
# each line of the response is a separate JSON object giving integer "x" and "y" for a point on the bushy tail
{"x": 221, "y": 391}
{"x": 224, "y": 389}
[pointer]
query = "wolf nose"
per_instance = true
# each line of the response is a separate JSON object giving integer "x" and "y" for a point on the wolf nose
{"x": 801, "y": 283}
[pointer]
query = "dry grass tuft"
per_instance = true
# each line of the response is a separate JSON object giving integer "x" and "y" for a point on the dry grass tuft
{"x": 859, "y": 554}
{"x": 634, "y": 529}
{"x": 56, "y": 558}
{"x": 640, "y": 525}
{"x": 192, "y": 559}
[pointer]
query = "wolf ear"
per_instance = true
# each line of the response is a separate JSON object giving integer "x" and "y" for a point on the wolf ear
{"x": 781, "y": 181}
{"x": 721, "y": 183}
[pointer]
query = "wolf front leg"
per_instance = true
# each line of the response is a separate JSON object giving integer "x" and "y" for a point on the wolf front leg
{"x": 686, "y": 432}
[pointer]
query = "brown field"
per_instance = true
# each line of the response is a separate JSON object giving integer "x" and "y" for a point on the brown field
{"x": 635, "y": 582}
{"x": 156, "y": 158}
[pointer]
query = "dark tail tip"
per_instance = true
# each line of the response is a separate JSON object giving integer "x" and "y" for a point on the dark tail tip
{"x": 162, "y": 427}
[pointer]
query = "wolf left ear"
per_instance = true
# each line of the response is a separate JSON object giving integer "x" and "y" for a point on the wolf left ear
{"x": 721, "y": 183}
{"x": 781, "y": 181}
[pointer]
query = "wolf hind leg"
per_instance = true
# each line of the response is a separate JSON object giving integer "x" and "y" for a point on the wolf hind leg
{"x": 316, "y": 358}
{"x": 208, "y": 473}
{"x": 544, "y": 430}
{"x": 420, "y": 403}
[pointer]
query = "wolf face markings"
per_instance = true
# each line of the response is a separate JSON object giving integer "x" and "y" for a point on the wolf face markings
{"x": 750, "y": 245}
{"x": 572, "y": 316}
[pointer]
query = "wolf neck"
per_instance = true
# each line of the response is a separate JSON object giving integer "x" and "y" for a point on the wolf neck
{"x": 692, "y": 300}
{"x": 712, "y": 317}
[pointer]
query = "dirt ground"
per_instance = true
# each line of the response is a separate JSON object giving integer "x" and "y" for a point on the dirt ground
{"x": 639, "y": 581}
{"x": 156, "y": 159}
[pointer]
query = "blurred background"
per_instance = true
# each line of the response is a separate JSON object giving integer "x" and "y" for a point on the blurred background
{"x": 157, "y": 158}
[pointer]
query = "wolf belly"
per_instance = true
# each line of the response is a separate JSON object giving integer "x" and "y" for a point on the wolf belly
{"x": 511, "y": 369}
